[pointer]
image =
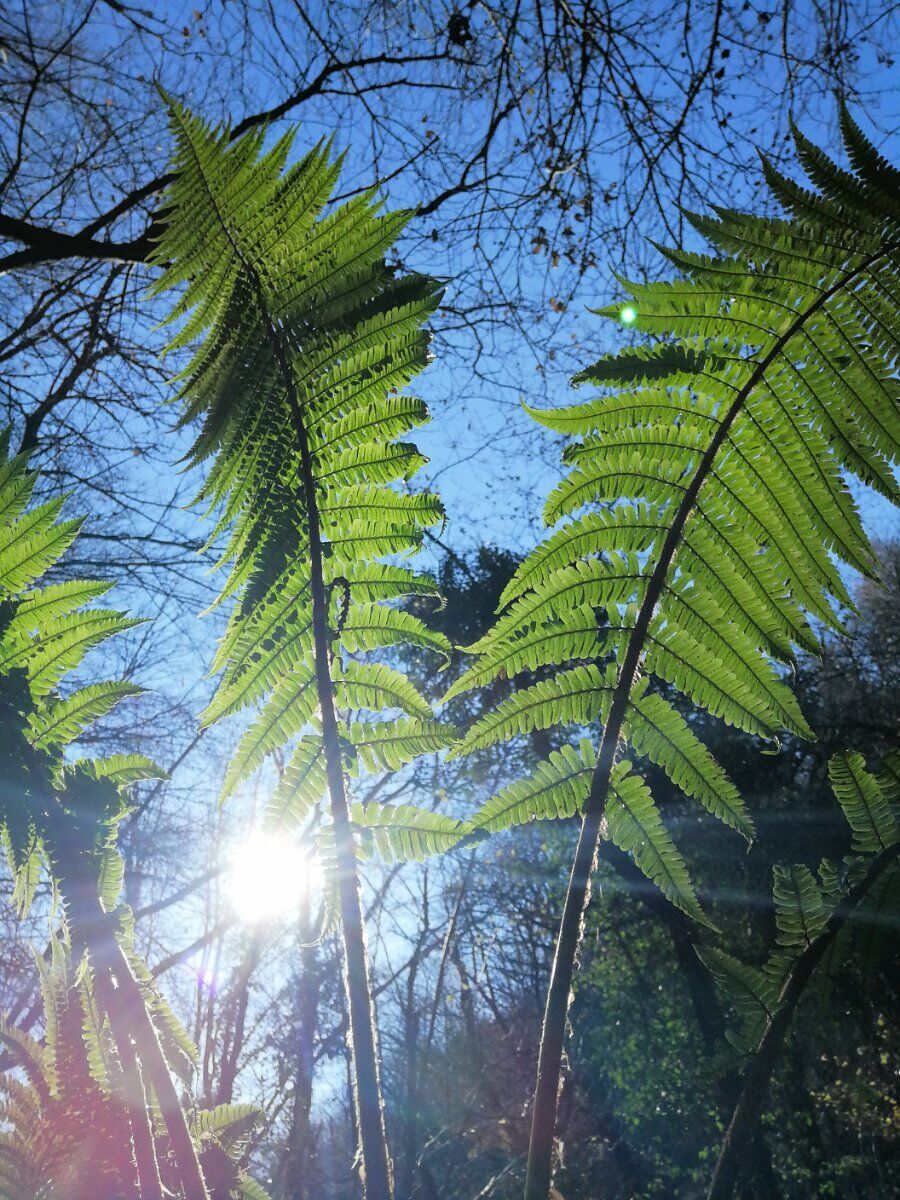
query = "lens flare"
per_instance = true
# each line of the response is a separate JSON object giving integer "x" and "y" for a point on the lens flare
{"x": 628, "y": 314}
{"x": 268, "y": 877}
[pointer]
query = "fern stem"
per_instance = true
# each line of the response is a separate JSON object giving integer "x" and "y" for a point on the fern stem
{"x": 543, "y": 1124}
{"x": 759, "y": 1073}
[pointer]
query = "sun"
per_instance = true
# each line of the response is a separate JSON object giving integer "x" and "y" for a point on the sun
{"x": 268, "y": 877}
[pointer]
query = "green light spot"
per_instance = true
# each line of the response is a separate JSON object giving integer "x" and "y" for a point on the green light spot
{"x": 628, "y": 314}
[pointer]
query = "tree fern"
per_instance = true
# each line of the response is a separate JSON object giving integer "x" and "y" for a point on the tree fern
{"x": 718, "y": 454}
{"x": 60, "y": 813}
{"x": 811, "y": 916}
{"x": 307, "y": 338}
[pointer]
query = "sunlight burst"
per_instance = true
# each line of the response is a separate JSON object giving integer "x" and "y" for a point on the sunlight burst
{"x": 269, "y": 877}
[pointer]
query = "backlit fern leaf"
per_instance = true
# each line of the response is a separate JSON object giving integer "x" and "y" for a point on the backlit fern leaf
{"x": 45, "y": 632}
{"x": 400, "y": 832}
{"x": 308, "y": 338}
{"x": 706, "y": 505}
{"x": 864, "y": 802}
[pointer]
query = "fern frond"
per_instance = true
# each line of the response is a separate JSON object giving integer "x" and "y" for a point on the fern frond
{"x": 401, "y": 832}
{"x": 865, "y": 806}
{"x": 228, "y": 1125}
{"x": 29, "y": 1055}
{"x": 574, "y": 697}
{"x": 58, "y": 722}
{"x": 121, "y": 769}
{"x": 635, "y": 826}
{"x": 656, "y": 729}
{"x": 849, "y": 907}
{"x": 95, "y": 1032}
{"x": 44, "y": 634}
{"x": 390, "y": 745}
{"x": 303, "y": 341}
{"x": 750, "y": 991}
{"x": 557, "y": 787}
{"x": 706, "y": 505}
{"x": 32, "y": 544}
{"x": 800, "y": 910}
{"x": 302, "y": 784}
{"x": 55, "y": 651}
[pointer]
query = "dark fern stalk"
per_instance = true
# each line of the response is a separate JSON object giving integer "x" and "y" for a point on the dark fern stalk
{"x": 717, "y": 455}
{"x": 309, "y": 339}
{"x": 363, "y": 1030}
{"x": 148, "y": 1178}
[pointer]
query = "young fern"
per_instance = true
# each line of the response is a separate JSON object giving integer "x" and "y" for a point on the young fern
{"x": 812, "y": 915}
{"x": 706, "y": 506}
{"x": 61, "y": 813}
{"x": 308, "y": 338}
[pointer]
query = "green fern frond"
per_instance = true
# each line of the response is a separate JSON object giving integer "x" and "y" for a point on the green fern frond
{"x": 844, "y": 907}
{"x": 302, "y": 783}
{"x": 390, "y": 745}
{"x": 32, "y": 544}
{"x": 57, "y": 650}
{"x": 401, "y": 832}
{"x": 706, "y": 504}
{"x": 557, "y": 787}
{"x": 29, "y": 1055}
{"x": 655, "y": 729}
{"x": 121, "y": 769}
{"x": 227, "y": 1124}
{"x": 800, "y": 909}
{"x": 249, "y": 1189}
{"x": 375, "y": 687}
{"x": 578, "y": 696}
{"x": 865, "y": 806}
{"x": 45, "y": 631}
{"x": 95, "y": 1032}
{"x": 635, "y": 826}
{"x": 889, "y": 775}
{"x": 750, "y": 991}
{"x": 58, "y": 722}
{"x": 110, "y": 878}
{"x": 304, "y": 340}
